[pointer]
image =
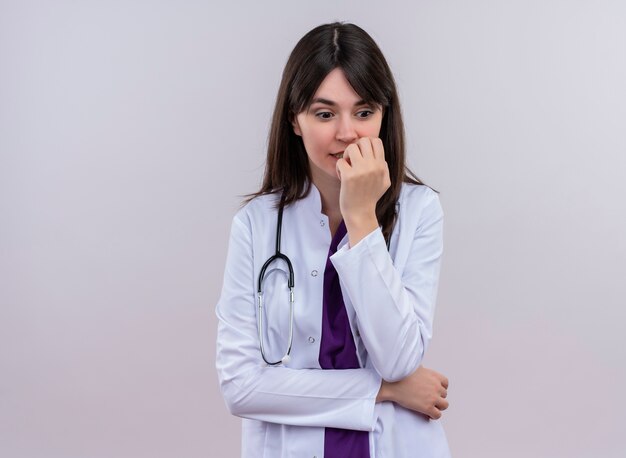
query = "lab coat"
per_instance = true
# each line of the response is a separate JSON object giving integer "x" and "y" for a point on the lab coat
{"x": 389, "y": 298}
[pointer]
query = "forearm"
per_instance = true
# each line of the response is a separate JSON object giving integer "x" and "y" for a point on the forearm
{"x": 305, "y": 397}
{"x": 394, "y": 322}
{"x": 394, "y": 298}
{"x": 301, "y": 397}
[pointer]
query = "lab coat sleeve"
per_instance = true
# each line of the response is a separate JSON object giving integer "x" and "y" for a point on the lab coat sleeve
{"x": 302, "y": 397}
{"x": 395, "y": 311}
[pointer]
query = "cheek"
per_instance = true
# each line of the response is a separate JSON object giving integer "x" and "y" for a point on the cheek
{"x": 317, "y": 138}
{"x": 370, "y": 132}
{"x": 372, "y": 129}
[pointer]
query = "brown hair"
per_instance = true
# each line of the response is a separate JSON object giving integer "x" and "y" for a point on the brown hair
{"x": 326, "y": 47}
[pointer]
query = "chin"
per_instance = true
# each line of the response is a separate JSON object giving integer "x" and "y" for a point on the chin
{"x": 332, "y": 175}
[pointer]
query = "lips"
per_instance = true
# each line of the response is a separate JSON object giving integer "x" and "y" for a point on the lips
{"x": 338, "y": 155}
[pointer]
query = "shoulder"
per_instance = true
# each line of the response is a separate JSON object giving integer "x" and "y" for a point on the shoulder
{"x": 417, "y": 199}
{"x": 259, "y": 207}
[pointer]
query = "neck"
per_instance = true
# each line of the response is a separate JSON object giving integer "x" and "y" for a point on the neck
{"x": 329, "y": 193}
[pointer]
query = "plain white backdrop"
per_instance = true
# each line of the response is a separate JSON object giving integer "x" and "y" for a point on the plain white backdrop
{"x": 129, "y": 129}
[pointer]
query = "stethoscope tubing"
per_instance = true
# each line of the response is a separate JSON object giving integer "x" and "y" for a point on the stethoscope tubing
{"x": 290, "y": 284}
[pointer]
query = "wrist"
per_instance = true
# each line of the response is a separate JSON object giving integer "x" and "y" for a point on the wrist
{"x": 385, "y": 392}
{"x": 359, "y": 217}
{"x": 360, "y": 225}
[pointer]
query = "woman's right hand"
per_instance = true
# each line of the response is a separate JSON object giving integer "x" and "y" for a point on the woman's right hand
{"x": 424, "y": 391}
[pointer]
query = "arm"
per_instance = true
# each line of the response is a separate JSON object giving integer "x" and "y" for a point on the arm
{"x": 303, "y": 397}
{"x": 395, "y": 312}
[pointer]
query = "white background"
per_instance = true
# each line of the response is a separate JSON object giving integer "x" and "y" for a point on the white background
{"x": 129, "y": 129}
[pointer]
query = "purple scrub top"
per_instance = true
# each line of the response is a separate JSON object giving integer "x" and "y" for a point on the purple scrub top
{"x": 338, "y": 351}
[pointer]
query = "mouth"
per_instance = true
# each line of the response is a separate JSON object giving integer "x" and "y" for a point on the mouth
{"x": 338, "y": 155}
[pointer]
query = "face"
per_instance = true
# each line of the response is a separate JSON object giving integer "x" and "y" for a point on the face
{"x": 336, "y": 118}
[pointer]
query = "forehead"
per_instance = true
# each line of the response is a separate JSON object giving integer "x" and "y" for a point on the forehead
{"x": 335, "y": 87}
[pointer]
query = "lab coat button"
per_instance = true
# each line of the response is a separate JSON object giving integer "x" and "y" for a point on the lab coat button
{"x": 314, "y": 273}
{"x": 322, "y": 222}
{"x": 311, "y": 339}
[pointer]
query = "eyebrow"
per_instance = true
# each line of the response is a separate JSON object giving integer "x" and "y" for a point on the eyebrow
{"x": 334, "y": 104}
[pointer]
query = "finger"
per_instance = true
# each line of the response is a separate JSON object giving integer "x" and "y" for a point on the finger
{"x": 444, "y": 382}
{"x": 365, "y": 145}
{"x": 444, "y": 393}
{"x": 352, "y": 153}
{"x": 442, "y": 404}
{"x": 435, "y": 414}
{"x": 341, "y": 167}
{"x": 378, "y": 148}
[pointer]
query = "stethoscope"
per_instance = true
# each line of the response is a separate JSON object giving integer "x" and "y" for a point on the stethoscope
{"x": 276, "y": 256}
{"x": 290, "y": 284}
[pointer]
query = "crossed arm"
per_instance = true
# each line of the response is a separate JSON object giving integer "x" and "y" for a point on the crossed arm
{"x": 310, "y": 397}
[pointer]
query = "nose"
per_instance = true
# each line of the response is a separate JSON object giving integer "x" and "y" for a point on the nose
{"x": 346, "y": 132}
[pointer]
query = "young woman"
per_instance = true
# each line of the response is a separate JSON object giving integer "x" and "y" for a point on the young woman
{"x": 332, "y": 271}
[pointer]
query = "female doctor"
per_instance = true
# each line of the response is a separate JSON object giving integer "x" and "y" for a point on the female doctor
{"x": 332, "y": 270}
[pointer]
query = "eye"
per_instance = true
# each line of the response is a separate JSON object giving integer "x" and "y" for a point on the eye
{"x": 365, "y": 113}
{"x": 324, "y": 115}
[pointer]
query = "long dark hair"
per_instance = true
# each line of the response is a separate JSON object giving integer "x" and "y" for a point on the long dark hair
{"x": 326, "y": 47}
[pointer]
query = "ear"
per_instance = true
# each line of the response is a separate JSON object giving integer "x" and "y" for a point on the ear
{"x": 296, "y": 126}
